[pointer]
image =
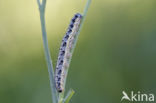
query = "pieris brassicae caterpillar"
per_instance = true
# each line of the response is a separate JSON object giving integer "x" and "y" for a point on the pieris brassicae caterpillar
{"x": 65, "y": 52}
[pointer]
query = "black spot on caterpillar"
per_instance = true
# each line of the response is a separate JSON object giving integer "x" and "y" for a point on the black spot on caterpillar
{"x": 65, "y": 52}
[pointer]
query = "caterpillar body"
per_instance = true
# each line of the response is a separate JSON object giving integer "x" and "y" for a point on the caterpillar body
{"x": 65, "y": 52}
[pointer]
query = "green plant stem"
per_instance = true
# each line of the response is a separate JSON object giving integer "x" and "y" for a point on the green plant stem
{"x": 46, "y": 50}
{"x": 61, "y": 95}
{"x": 81, "y": 24}
{"x": 55, "y": 98}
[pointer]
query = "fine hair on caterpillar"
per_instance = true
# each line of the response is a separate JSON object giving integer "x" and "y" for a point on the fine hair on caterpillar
{"x": 65, "y": 52}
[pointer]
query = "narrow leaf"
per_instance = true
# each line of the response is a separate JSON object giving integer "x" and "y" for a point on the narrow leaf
{"x": 69, "y": 96}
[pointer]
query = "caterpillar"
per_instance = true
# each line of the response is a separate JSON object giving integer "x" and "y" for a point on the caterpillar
{"x": 65, "y": 52}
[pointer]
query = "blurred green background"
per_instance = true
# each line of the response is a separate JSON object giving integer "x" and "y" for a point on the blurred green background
{"x": 116, "y": 50}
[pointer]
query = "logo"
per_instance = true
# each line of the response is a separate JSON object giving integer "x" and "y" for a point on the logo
{"x": 140, "y": 97}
